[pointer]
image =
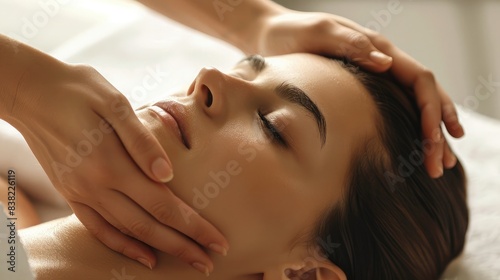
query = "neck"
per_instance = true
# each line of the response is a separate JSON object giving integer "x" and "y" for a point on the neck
{"x": 54, "y": 248}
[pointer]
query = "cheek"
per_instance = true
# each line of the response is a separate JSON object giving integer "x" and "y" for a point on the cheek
{"x": 277, "y": 185}
{"x": 210, "y": 178}
{"x": 242, "y": 185}
{"x": 261, "y": 205}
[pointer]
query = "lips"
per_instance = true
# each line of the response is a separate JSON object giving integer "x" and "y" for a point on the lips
{"x": 173, "y": 116}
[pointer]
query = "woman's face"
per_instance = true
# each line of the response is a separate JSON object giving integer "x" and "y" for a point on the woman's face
{"x": 264, "y": 149}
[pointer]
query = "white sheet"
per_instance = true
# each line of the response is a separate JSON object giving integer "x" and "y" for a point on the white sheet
{"x": 125, "y": 42}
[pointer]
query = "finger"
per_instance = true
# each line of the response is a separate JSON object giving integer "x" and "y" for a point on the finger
{"x": 450, "y": 116}
{"x": 404, "y": 67}
{"x": 449, "y": 158}
{"x": 434, "y": 157}
{"x": 428, "y": 102}
{"x": 368, "y": 56}
{"x": 145, "y": 228}
{"x": 139, "y": 142}
{"x": 429, "y": 96}
{"x": 169, "y": 210}
{"x": 358, "y": 48}
{"x": 112, "y": 237}
{"x": 410, "y": 73}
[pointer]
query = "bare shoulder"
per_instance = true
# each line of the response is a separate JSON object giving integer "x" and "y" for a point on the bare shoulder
{"x": 51, "y": 249}
{"x": 63, "y": 249}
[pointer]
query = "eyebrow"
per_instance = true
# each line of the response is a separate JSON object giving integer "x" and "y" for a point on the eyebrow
{"x": 257, "y": 62}
{"x": 293, "y": 94}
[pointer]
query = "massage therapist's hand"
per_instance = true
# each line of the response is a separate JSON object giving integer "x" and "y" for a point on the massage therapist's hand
{"x": 285, "y": 31}
{"x": 82, "y": 131}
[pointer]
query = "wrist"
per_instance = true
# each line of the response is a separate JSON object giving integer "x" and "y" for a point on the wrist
{"x": 245, "y": 33}
{"x": 23, "y": 75}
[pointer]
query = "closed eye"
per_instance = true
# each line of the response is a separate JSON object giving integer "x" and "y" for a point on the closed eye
{"x": 271, "y": 131}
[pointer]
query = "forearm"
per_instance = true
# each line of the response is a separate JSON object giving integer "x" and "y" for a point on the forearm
{"x": 234, "y": 21}
{"x": 12, "y": 63}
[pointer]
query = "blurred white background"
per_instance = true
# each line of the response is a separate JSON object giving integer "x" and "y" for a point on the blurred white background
{"x": 458, "y": 39}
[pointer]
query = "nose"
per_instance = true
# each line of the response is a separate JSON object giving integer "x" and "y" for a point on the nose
{"x": 210, "y": 92}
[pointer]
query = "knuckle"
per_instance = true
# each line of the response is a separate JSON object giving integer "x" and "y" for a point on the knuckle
{"x": 163, "y": 213}
{"x": 95, "y": 230}
{"x": 122, "y": 249}
{"x": 115, "y": 100}
{"x": 143, "y": 142}
{"x": 180, "y": 252}
{"x": 84, "y": 67}
{"x": 321, "y": 24}
{"x": 199, "y": 236}
{"x": 87, "y": 70}
{"x": 428, "y": 75}
{"x": 141, "y": 229}
{"x": 380, "y": 41}
{"x": 359, "y": 40}
{"x": 120, "y": 99}
{"x": 372, "y": 34}
{"x": 449, "y": 110}
{"x": 126, "y": 232}
{"x": 101, "y": 234}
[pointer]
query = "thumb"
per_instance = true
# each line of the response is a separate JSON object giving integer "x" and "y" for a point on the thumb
{"x": 139, "y": 142}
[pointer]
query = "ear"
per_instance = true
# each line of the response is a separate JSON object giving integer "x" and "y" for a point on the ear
{"x": 328, "y": 272}
{"x": 312, "y": 267}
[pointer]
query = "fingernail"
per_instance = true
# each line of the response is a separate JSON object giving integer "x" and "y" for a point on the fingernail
{"x": 218, "y": 249}
{"x": 440, "y": 171}
{"x": 451, "y": 162}
{"x": 201, "y": 268}
{"x": 145, "y": 262}
{"x": 380, "y": 58}
{"x": 162, "y": 169}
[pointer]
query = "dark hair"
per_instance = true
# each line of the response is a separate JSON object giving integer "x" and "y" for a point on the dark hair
{"x": 394, "y": 221}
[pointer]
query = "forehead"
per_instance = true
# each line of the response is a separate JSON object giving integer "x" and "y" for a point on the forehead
{"x": 346, "y": 104}
{"x": 324, "y": 80}
{"x": 343, "y": 100}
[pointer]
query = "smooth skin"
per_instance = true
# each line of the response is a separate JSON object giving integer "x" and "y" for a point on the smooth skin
{"x": 80, "y": 98}
{"x": 272, "y": 195}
